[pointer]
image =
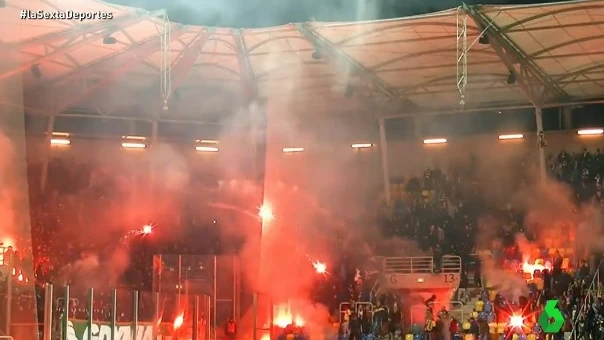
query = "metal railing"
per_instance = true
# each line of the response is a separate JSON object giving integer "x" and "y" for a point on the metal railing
{"x": 59, "y": 321}
{"x": 449, "y": 264}
{"x": 592, "y": 295}
{"x": 357, "y": 308}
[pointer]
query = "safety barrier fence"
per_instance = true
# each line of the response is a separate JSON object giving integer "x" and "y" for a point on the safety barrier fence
{"x": 592, "y": 293}
{"x": 357, "y": 308}
{"x": 69, "y": 314}
{"x": 447, "y": 264}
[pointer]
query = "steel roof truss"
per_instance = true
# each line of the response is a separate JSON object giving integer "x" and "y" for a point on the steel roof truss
{"x": 64, "y": 97}
{"x": 537, "y": 86}
{"x": 388, "y": 99}
{"x": 248, "y": 78}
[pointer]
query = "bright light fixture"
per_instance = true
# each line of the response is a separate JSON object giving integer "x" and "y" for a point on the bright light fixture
{"x": 206, "y": 149}
{"x": 290, "y": 150}
{"x": 588, "y": 132}
{"x": 207, "y": 141}
{"x": 60, "y": 141}
{"x": 512, "y": 136}
{"x": 435, "y": 141}
{"x": 362, "y": 145}
{"x": 128, "y": 145}
{"x": 134, "y": 137}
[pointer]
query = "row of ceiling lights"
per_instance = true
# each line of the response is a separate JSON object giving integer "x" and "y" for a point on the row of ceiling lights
{"x": 584, "y": 132}
{"x": 205, "y": 145}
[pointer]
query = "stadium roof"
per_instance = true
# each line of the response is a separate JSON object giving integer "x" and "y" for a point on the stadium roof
{"x": 541, "y": 55}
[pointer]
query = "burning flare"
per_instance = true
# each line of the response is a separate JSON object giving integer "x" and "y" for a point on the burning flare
{"x": 320, "y": 267}
{"x": 284, "y": 317}
{"x": 147, "y": 229}
{"x": 178, "y": 321}
{"x": 516, "y": 321}
{"x": 266, "y": 213}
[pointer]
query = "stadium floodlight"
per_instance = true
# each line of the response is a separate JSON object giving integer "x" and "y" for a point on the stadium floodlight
{"x": 207, "y": 141}
{"x": 362, "y": 145}
{"x": 511, "y": 136}
{"x": 60, "y": 141}
{"x": 206, "y": 149}
{"x": 129, "y": 145}
{"x": 292, "y": 150}
{"x": 435, "y": 141}
{"x": 590, "y": 132}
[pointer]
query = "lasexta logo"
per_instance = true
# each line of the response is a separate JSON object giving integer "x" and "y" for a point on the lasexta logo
{"x": 551, "y": 319}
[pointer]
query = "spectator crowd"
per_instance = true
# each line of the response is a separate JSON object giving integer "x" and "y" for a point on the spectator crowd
{"x": 443, "y": 211}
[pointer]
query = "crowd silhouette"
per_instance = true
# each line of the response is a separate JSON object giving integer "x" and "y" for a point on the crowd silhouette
{"x": 442, "y": 211}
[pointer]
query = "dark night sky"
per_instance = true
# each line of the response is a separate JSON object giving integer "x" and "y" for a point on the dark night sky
{"x": 266, "y": 13}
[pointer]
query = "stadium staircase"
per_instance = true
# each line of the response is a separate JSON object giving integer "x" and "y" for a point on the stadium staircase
{"x": 591, "y": 296}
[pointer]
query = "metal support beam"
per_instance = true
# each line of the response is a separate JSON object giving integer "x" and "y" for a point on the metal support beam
{"x": 384, "y": 156}
{"x": 250, "y": 84}
{"x": 63, "y": 96}
{"x": 258, "y": 114}
{"x": 50, "y": 125}
{"x": 344, "y": 61}
{"x": 541, "y": 144}
{"x": 101, "y": 65}
{"x": 536, "y": 84}
{"x": 116, "y": 25}
{"x": 462, "y": 54}
{"x": 183, "y": 64}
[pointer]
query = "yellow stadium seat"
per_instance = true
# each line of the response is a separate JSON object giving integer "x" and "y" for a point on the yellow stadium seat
{"x": 408, "y": 336}
{"x": 570, "y": 251}
{"x": 492, "y": 328}
{"x": 501, "y": 328}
